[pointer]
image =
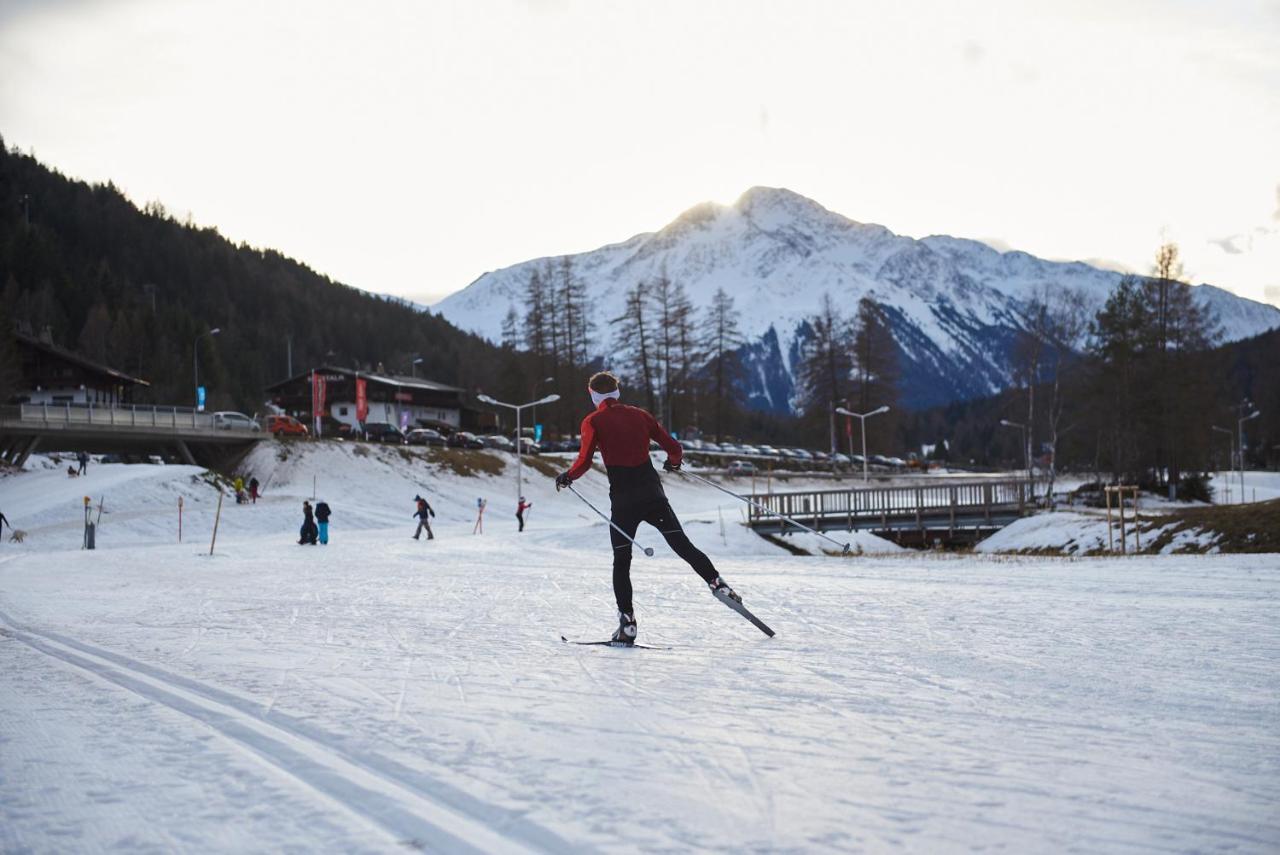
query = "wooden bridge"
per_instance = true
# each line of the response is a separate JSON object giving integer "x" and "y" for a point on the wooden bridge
{"x": 953, "y": 514}
{"x": 124, "y": 429}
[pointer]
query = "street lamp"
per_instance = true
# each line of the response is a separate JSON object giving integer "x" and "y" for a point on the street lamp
{"x": 1026, "y": 448}
{"x": 1240, "y": 448}
{"x": 413, "y": 367}
{"x": 519, "y": 446}
{"x": 196, "y": 360}
{"x": 1231, "y": 457}
{"x": 862, "y": 419}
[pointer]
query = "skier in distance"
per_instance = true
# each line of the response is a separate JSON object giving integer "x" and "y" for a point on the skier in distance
{"x": 622, "y": 433}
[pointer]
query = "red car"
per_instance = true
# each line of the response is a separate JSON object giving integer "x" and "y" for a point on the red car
{"x": 287, "y": 425}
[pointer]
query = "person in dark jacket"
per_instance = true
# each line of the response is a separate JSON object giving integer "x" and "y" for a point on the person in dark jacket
{"x": 253, "y": 490}
{"x": 83, "y": 459}
{"x": 322, "y": 520}
{"x": 521, "y": 507}
{"x": 308, "y": 524}
{"x": 622, "y": 434}
{"x": 423, "y": 515}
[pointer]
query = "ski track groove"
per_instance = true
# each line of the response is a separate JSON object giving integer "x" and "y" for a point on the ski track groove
{"x": 378, "y": 791}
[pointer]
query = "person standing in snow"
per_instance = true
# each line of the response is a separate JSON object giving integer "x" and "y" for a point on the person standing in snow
{"x": 83, "y": 459}
{"x": 423, "y": 515}
{"x": 322, "y": 520}
{"x": 253, "y": 490}
{"x": 622, "y": 435}
{"x": 308, "y": 525}
{"x": 239, "y": 488}
{"x": 521, "y": 507}
{"x": 478, "y": 528}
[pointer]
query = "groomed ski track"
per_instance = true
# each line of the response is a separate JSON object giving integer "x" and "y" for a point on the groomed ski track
{"x": 407, "y": 805}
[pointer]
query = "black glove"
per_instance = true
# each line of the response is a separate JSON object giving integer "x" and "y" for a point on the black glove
{"x": 563, "y": 480}
{"x": 668, "y": 466}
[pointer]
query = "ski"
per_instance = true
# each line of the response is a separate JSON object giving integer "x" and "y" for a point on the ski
{"x": 742, "y": 610}
{"x": 612, "y": 644}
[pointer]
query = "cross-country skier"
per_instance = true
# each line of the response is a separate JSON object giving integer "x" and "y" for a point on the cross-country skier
{"x": 622, "y": 435}
{"x": 521, "y": 507}
{"x": 322, "y": 520}
{"x": 423, "y": 514}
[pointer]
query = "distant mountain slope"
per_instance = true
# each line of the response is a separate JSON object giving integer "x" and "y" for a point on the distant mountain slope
{"x": 135, "y": 288}
{"x": 954, "y": 302}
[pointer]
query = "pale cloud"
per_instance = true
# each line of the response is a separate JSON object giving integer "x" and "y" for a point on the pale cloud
{"x": 408, "y": 147}
{"x": 1272, "y": 294}
{"x": 1229, "y": 244}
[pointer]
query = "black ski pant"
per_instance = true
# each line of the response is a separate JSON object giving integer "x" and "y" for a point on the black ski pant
{"x": 520, "y": 517}
{"x": 658, "y": 514}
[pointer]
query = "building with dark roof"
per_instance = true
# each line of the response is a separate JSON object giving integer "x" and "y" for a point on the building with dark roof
{"x": 407, "y": 402}
{"x": 54, "y": 375}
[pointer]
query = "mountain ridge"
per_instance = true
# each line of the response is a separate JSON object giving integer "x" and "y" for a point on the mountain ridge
{"x": 954, "y": 301}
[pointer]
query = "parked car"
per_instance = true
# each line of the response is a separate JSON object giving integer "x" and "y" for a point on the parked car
{"x": 465, "y": 439}
{"x": 528, "y": 446}
{"x": 383, "y": 432}
{"x": 498, "y": 442}
{"x": 842, "y": 459}
{"x": 286, "y": 425}
{"x": 227, "y": 420}
{"x": 741, "y": 467}
{"x": 424, "y": 436}
{"x": 770, "y": 451}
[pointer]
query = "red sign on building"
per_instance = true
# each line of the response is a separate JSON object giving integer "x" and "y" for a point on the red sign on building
{"x": 362, "y": 400}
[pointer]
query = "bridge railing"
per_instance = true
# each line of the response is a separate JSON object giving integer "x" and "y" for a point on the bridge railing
{"x": 124, "y": 415}
{"x": 881, "y": 506}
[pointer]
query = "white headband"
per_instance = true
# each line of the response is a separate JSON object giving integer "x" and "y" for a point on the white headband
{"x": 598, "y": 397}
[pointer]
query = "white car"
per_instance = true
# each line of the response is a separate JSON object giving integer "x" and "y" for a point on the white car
{"x": 741, "y": 467}
{"x": 227, "y": 420}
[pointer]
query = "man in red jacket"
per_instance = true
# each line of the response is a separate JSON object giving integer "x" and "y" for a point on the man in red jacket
{"x": 622, "y": 435}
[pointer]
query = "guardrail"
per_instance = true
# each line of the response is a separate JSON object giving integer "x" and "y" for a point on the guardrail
{"x": 981, "y": 504}
{"x": 131, "y": 415}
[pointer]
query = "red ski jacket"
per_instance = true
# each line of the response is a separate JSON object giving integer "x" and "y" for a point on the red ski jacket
{"x": 622, "y": 434}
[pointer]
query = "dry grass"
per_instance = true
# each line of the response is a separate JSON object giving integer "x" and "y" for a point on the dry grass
{"x": 466, "y": 462}
{"x": 1236, "y": 528}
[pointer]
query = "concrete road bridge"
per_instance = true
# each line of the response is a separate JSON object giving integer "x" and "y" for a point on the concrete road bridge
{"x": 947, "y": 513}
{"x": 121, "y": 429}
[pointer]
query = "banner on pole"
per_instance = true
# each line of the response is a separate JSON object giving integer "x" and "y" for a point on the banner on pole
{"x": 537, "y": 433}
{"x": 317, "y": 399}
{"x": 199, "y": 399}
{"x": 362, "y": 400}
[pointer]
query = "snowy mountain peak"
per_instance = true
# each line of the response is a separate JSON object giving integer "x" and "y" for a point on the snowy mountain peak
{"x": 954, "y": 303}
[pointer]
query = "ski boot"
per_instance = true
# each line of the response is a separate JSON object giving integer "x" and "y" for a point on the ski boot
{"x": 721, "y": 589}
{"x": 626, "y": 633}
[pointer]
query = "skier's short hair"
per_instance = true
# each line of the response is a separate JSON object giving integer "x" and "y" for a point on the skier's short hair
{"x": 603, "y": 382}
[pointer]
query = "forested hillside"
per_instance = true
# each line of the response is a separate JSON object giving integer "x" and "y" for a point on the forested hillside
{"x": 135, "y": 288}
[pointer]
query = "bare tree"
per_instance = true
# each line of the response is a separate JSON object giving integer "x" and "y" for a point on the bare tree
{"x": 721, "y": 338}
{"x": 635, "y": 340}
{"x": 826, "y": 366}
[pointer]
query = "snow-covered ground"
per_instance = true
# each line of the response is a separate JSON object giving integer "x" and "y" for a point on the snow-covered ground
{"x": 381, "y": 693}
{"x": 1259, "y": 486}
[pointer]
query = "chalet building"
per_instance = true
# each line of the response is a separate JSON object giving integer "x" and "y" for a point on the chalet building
{"x": 54, "y": 375}
{"x": 407, "y": 402}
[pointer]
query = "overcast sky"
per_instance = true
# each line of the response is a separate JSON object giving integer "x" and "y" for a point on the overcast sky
{"x": 407, "y": 148}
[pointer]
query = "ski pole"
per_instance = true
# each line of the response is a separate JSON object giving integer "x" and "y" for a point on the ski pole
{"x": 646, "y": 550}
{"x": 843, "y": 546}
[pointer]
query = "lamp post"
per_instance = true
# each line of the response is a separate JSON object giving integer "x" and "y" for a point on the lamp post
{"x": 1026, "y": 449}
{"x": 1231, "y": 456}
{"x": 1240, "y": 447}
{"x": 862, "y": 419}
{"x": 519, "y": 447}
{"x": 196, "y": 360}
